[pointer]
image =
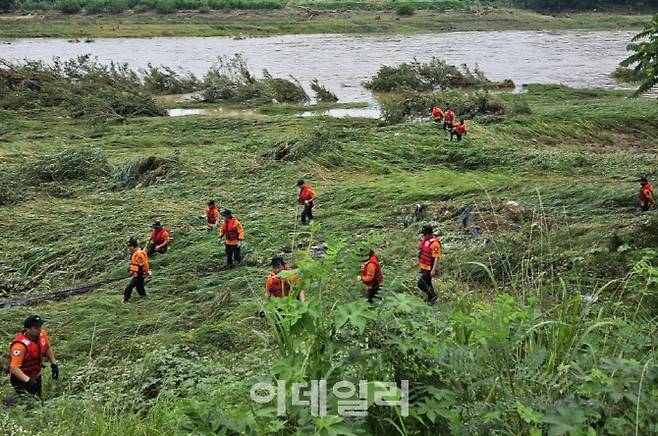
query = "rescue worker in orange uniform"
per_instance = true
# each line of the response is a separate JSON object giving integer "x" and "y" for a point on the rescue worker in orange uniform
{"x": 646, "y": 195}
{"x": 437, "y": 114}
{"x": 139, "y": 269}
{"x": 233, "y": 235}
{"x": 276, "y": 286}
{"x": 27, "y": 351}
{"x": 211, "y": 215}
{"x": 158, "y": 240}
{"x": 429, "y": 253}
{"x": 459, "y": 130}
{"x": 371, "y": 275}
{"x": 306, "y": 197}
{"x": 449, "y": 119}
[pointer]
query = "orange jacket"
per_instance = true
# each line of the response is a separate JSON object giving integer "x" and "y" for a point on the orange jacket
{"x": 646, "y": 195}
{"x": 437, "y": 113}
{"x": 161, "y": 236}
{"x": 461, "y": 129}
{"x": 277, "y": 286}
{"x": 212, "y": 215}
{"x": 428, "y": 250}
{"x": 449, "y": 116}
{"x": 139, "y": 264}
{"x": 27, "y": 354}
{"x": 233, "y": 231}
{"x": 306, "y": 193}
{"x": 371, "y": 273}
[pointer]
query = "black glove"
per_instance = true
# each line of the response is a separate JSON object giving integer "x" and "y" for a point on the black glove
{"x": 55, "y": 371}
{"x": 261, "y": 314}
{"x": 31, "y": 383}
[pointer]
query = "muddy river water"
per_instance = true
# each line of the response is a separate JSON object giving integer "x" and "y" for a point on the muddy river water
{"x": 343, "y": 62}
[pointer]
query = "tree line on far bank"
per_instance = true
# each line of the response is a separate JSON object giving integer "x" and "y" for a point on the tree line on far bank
{"x": 404, "y": 7}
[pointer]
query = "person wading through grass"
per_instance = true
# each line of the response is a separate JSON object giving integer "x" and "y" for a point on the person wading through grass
{"x": 437, "y": 114}
{"x": 211, "y": 215}
{"x": 371, "y": 275}
{"x": 158, "y": 240}
{"x": 233, "y": 235}
{"x": 448, "y": 119}
{"x": 277, "y": 286}
{"x": 429, "y": 253}
{"x": 306, "y": 197}
{"x": 27, "y": 351}
{"x": 139, "y": 269}
{"x": 459, "y": 130}
{"x": 646, "y": 195}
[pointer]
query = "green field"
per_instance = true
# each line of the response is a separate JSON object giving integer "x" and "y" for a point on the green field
{"x": 295, "y": 21}
{"x": 510, "y": 348}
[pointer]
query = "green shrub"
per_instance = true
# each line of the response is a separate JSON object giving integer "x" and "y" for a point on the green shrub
{"x": 230, "y": 80}
{"x": 117, "y": 6}
{"x": 435, "y": 74}
{"x": 82, "y": 86}
{"x": 69, "y": 6}
{"x": 7, "y": 5}
{"x": 165, "y": 6}
{"x": 95, "y": 6}
{"x": 405, "y": 9}
{"x": 322, "y": 94}
{"x": 164, "y": 80}
{"x": 400, "y": 106}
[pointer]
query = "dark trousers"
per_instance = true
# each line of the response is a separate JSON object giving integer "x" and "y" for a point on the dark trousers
{"x": 232, "y": 254}
{"x": 150, "y": 249}
{"x": 372, "y": 293}
{"x": 22, "y": 388}
{"x": 135, "y": 283}
{"x": 453, "y": 134}
{"x": 425, "y": 284}
{"x": 307, "y": 213}
{"x": 447, "y": 126}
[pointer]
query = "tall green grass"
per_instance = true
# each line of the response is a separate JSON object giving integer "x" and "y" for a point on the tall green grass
{"x": 511, "y": 347}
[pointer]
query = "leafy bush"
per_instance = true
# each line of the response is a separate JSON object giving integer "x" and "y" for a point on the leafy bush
{"x": 82, "y": 86}
{"x": 164, "y": 80}
{"x": 165, "y": 6}
{"x": 6, "y": 5}
{"x": 400, "y": 106}
{"x": 95, "y": 6}
{"x": 405, "y": 9}
{"x": 117, "y": 6}
{"x": 453, "y": 358}
{"x": 230, "y": 80}
{"x": 434, "y": 75}
{"x": 69, "y": 6}
{"x": 322, "y": 94}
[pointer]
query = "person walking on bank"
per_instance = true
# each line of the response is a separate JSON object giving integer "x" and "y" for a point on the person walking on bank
{"x": 306, "y": 197}
{"x": 27, "y": 351}
{"x": 139, "y": 269}
{"x": 371, "y": 275}
{"x": 159, "y": 239}
{"x": 646, "y": 195}
{"x": 211, "y": 215}
{"x": 429, "y": 253}
{"x": 233, "y": 235}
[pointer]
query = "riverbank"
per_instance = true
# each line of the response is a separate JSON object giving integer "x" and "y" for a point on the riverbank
{"x": 294, "y": 21}
{"x": 556, "y": 220}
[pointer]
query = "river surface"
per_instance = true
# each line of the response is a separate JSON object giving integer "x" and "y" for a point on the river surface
{"x": 343, "y": 62}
